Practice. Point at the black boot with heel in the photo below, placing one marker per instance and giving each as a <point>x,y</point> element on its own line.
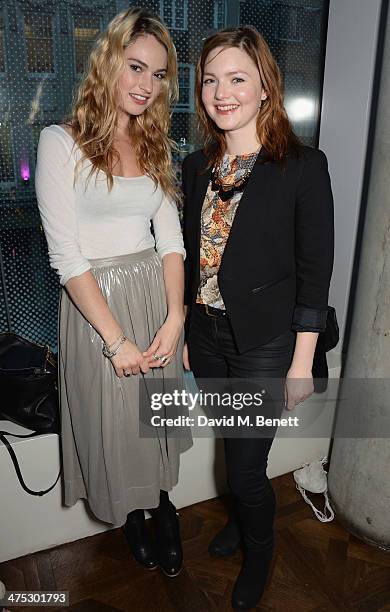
<point>139,539</point>
<point>227,541</point>
<point>256,524</point>
<point>170,552</point>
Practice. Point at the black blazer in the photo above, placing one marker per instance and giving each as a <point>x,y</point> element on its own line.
<point>277,264</point>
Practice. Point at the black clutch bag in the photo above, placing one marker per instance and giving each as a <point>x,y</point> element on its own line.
<point>28,391</point>
<point>327,340</point>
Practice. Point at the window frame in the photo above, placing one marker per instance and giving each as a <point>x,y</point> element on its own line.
<point>173,26</point>
<point>3,73</point>
<point>217,3</point>
<point>78,75</point>
<point>7,185</point>
<point>21,21</point>
<point>190,108</point>
<point>300,12</point>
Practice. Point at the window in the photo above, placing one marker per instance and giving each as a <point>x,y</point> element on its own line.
<point>219,14</point>
<point>38,34</point>
<point>35,131</point>
<point>289,23</point>
<point>85,32</point>
<point>2,42</point>
<point>174,13</point>
<point>44,45</point>
<point>186,88</point>
<point>294,83</point>
<point>7,173</point>
<point>300,104</point>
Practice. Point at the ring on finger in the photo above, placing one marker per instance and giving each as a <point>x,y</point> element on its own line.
<point>156,357</point>
<point>126,373</point>
<point>163,359</point>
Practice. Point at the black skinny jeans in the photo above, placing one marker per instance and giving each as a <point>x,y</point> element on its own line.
<point>213,354</point>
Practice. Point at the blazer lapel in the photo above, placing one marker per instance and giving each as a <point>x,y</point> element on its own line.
<point>196,198</point>
<point>251,194</point>
<point>200,189</point>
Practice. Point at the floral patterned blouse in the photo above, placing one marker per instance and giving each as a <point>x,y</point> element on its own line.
<point>216,221</point>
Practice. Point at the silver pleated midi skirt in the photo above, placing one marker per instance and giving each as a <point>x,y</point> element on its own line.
<point>105,460</point>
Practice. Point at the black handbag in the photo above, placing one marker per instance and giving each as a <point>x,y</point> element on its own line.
<point>327,340</point>
<point>28,392</point>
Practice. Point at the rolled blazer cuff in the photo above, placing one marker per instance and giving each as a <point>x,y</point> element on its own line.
<point>309,319</point>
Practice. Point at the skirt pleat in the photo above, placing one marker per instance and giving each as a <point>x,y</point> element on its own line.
<point>105,460</point>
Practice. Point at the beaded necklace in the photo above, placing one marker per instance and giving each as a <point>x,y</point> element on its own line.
<point>227,190</point>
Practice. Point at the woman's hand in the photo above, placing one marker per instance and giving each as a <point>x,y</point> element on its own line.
<point>298,387</point>
<point>129,360</point>
<point>186,361</point>
<point>165,342</point>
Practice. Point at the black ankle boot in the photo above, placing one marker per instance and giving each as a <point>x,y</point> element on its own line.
<point>227,540</point>
<point>139,540</point>
<point>256,523</point>
<point>170,552</point>
<point>251,581</point>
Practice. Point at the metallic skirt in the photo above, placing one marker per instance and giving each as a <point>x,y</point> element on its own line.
<point>105,459</point>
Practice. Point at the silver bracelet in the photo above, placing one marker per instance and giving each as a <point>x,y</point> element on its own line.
<point>115,341</point>
<point>111,352</point>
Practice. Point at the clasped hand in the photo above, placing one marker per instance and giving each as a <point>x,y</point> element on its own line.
<point>131,360</point>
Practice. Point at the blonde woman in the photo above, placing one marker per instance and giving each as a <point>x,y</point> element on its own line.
<point>101,179</point>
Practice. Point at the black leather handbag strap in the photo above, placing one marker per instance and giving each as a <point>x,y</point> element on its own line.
<point>15,461</point>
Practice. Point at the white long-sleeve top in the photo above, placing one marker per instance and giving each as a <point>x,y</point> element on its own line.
<point>83,220</point>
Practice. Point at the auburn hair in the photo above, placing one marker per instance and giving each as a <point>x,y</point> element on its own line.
<point>274,130</point>
<point>95,110</point>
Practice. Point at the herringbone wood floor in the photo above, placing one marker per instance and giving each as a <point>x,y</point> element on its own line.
<point>317,567</point>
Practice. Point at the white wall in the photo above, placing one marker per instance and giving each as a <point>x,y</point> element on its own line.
<point>348,81</point>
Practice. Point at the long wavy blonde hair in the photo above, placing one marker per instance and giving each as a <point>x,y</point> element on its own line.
<point>274,130</point>
<point>93,117</point>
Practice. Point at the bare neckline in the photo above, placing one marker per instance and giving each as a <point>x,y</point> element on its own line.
<point>114,175</point>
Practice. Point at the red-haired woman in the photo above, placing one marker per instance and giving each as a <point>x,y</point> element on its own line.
<point>258,232</point>
<point>101,179</point>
